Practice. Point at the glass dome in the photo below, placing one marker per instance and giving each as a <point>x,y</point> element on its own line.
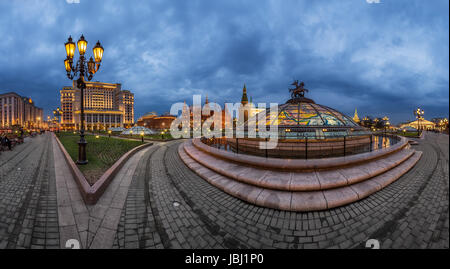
<point>137,130</point>
<point>302,117</point>
<point>306,114</point>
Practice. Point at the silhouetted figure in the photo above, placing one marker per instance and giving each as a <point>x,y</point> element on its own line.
<point>6,142</point>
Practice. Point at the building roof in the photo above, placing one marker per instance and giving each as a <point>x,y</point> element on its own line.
<point>11,93</point>
<point>150,114</point>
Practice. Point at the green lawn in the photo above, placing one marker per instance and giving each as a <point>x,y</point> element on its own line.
<point>407,134</point>
<point>154,136</point>
<point>101,152</point>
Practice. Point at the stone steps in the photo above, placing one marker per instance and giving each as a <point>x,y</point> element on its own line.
<point>300,164</point>
<point>317,179</point>
<point>301,200</point>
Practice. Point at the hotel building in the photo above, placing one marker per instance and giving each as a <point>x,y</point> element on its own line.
<point>106,105</point>
<point>16,110</point>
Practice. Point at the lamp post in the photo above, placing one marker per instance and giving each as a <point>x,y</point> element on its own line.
<point>57,113</point>
<point>85,69</point>
<point>386,127</point>
<point>419,115</point>
<point>142,137</point>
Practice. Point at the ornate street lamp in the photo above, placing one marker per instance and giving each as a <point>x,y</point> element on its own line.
<point>419,115</point>
<point>85,69</point>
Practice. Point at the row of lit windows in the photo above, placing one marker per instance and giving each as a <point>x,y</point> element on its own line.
<point>102,118</point>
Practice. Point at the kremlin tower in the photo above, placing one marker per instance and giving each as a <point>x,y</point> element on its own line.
<point>355,117</point>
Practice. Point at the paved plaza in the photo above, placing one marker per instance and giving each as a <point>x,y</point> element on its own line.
<point>155,201</point>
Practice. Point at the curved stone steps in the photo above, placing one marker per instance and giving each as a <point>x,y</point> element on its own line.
<point>300,164</point>
<point>299,200</point>
<point>297,181</point>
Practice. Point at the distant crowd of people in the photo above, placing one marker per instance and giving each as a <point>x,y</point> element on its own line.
<point>8,140</point>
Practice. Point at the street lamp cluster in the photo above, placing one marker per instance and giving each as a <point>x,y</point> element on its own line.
<point>84,70</point>
<point>443,124</point>
<point>419,116</point>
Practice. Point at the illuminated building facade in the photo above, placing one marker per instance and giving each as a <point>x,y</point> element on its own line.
<point>67,106</point>
<point>16,110</point>
<point>421,124</point>
<point>106,105</point>
<point>126,101</point>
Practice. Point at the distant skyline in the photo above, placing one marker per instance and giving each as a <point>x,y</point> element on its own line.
<point>383,59</point>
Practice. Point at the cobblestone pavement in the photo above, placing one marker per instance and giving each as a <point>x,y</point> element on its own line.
<point>168,206</point>
<point>28,206</point>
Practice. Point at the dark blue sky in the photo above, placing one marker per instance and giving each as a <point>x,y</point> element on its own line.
<point>384,59</point>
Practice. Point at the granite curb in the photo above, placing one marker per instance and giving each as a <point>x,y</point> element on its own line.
<point>91,194</point>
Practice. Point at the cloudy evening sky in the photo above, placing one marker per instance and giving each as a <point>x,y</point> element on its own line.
<point>384,59</point>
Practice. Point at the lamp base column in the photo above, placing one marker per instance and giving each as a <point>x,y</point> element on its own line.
<point>82,152</point>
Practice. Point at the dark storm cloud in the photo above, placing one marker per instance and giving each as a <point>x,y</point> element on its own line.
<point>384,59</point>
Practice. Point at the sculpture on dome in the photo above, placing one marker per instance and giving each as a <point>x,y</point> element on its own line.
<point>299,90</point>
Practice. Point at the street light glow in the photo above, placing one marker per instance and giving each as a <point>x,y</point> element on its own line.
<point>82,44</point>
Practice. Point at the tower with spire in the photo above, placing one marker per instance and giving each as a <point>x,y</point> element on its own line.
<point>207,107</point>
<point>244,99</point>
<point>355,117</point>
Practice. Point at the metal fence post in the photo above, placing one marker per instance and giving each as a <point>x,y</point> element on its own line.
<point>344,143</point>
<point>266,148</point>
<point>371,143</point>
<point>306,147</point>
<point>237,145</point>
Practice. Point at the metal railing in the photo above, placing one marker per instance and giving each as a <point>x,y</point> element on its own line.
<point>307,147</point>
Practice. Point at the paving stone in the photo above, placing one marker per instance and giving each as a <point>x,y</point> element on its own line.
<point>207,217</point>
